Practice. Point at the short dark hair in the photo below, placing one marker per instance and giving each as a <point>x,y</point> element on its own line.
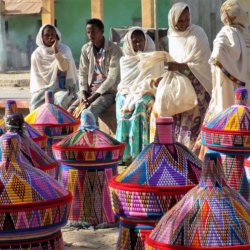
<point>97,22</point>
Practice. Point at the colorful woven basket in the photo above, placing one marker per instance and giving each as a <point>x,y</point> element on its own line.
<point>210,216</point>
<point>156,180</point>
<point>52,121</point>
<point>33,206</point>
<point>30,152</point>
<point>247,169</point>
<point>230,130</point>
<point>89,159</point>
<point>229,134</point>
<point>11,108</point>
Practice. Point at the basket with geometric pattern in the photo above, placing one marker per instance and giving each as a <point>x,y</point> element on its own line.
<point>229,134</point>
<point>156,180</point>
<point>35,135</point>
<point>33,206</point>
<point>52,121</point>
<point>30,152</point>
<point>89,159</point>
<point>210,216</point>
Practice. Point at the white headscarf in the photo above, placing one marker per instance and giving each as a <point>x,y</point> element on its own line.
<point>44,66</point>
<point>232,8</point>
<point>190,46</point>
<point>128,47</point>
<point>232,44</point>
<point>135,79</point>
<point>129,62</point>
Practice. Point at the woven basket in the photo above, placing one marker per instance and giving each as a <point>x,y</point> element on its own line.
<point>230,130</point>
<point>89,159</point>
<point>37,137</point>
<point>229,134</point>
<point>210,216</point>
<point>52,121</point>
<point>156,180</point>
<point>33,206</point>
<point>30,152</point>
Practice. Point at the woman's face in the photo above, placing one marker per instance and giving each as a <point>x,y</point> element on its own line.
<point>184,20</point>
<point>138,42</point>
<point>49,36</point>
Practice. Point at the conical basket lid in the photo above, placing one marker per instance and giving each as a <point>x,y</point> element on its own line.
<point>160,175</point>
<point>163,164</point>
<point>52,116</point>
<point>30,152</point>
<point>37,186</point>
<point>210,215</point>
<point>35,135</point>
<point>87,138</point>
<point>230,129</point>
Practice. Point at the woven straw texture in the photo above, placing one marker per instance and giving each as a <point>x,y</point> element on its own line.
<point>33,155</point>
<point>37,137</point>
<point>155,181</point>
<point>229,130</point>
<point>32,204</point>
<point>91,199</point>
<point>133,233</point>
<point>52,121</point>
<point>89,160</point>
<point>210,215</point>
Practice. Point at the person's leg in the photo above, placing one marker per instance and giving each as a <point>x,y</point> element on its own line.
<point>101,104</point>
<point>37,99</point>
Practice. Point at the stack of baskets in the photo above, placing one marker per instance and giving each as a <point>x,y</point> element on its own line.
<point>210,216</point>
<point>33,206</point>
<point>89,159</point>
<point>157,179</point>
<point>229,134</point>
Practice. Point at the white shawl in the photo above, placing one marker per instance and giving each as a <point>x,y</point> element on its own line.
<point>44,65</point>
<point>232,44</point>
<point>135,79</point>
<point>190,47</point>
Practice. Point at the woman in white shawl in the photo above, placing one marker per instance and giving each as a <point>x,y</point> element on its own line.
<point>135,95</point>
<point>230,61</point>
<point>189,47</point>
<point>230,58</point>
<point>52,67</point>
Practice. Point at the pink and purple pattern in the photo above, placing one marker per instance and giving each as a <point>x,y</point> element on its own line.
<point>211,216</point>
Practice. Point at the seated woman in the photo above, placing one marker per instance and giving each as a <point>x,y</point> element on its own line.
<point>189,47</point>
<point>230,61</point>
<point>52,67</point>
<point>135,94</point>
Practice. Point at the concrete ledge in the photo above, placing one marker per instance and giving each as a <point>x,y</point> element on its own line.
<point>22,103</point>
<point>107,121</point>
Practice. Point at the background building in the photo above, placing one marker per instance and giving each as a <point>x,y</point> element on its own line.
<point>70,16</point>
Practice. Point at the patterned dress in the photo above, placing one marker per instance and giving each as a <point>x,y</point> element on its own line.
<point>188,124</point>
<point>133,127</point>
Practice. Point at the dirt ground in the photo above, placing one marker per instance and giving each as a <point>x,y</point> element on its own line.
<point>90,239</point>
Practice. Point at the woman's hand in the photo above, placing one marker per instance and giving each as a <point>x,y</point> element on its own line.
<point>175,66</point>
<point>55,46</point>
<point>155,82</point>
